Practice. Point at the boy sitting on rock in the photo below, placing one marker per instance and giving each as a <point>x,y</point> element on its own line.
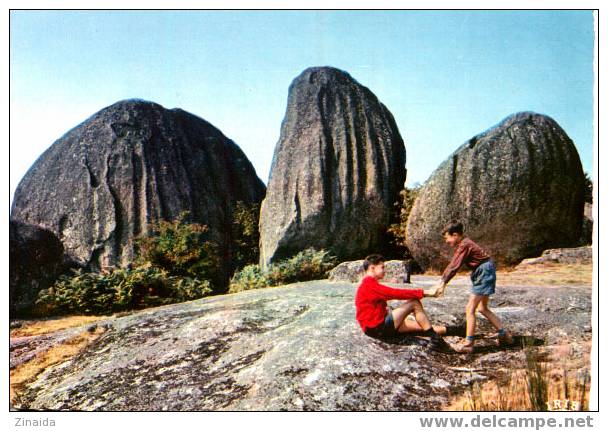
<point>378,321</point>
<point>483,276</point>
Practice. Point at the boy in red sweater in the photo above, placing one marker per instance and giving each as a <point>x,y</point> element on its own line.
<point>483,276</point>
<point>378,321</point>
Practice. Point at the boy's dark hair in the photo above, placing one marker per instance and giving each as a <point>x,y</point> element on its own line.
<point>453,227</point>
<point>372,259</point>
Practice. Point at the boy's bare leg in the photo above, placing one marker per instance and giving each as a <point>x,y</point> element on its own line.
<point>411,326</point>
<point>474,301</point>
<point>422,322</point>
<point>503,336</point>
<point>493,318</point>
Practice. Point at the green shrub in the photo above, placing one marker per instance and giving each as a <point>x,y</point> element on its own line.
<point>118,290</point>
<point>250,277</point>
<point>176,263</point>
<point>306,265</point>
<point>180,248</point>
<point>245,234</point>
<point>588,193</point>
<point>398,230</point>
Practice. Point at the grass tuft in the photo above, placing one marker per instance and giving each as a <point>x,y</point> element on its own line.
<point>540,386</point>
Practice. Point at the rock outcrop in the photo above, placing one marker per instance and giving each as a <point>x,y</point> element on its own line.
<point>337,170</point>
<point>296,347</point>
<point>518,189</point>
<point>570,256</point>
<point>353,271</point>
<point>100,185</point>
<point>36,259</point>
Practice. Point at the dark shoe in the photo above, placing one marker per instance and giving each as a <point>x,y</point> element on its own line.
<point>505,340</point>
<point>438,344</point>
<point>459,329</point>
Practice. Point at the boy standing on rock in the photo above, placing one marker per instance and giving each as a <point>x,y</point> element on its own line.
<point>483,276</point>
<point>378,321</point>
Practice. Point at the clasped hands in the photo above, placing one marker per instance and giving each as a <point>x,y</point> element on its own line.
<point>435,291</point>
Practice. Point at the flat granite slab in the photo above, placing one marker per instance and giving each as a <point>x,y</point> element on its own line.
<point>296,347</point>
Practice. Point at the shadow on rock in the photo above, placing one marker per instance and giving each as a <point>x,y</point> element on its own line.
<point>520,342</point>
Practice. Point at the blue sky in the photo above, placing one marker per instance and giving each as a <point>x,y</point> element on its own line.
<point>445,75</point>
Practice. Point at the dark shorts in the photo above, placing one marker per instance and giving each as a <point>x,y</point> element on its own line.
<point>484,279</point>
<point>385,329</point>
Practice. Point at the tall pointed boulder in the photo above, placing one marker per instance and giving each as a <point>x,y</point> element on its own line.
<point>337,170</point>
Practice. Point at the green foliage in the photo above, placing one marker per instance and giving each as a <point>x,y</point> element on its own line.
<point>118,290</point>
<point>588,194</point>
<point>307,265</point>
<point>246,234</point>
<point>180,248</point>
<point>176,263</point>
<point>407,198</point>
<point>250,277</point>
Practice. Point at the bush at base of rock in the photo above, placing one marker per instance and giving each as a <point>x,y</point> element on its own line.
<point>181,248</point>
<point>246,234</point>
<point>398,230</point>
<point>118,290</point>
<point>307,265</point>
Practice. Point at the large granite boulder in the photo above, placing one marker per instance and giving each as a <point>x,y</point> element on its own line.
<point>337,170</point>
<point>518,189</point>
<point>296,347</point>
<point>101,184</point>
<point>36,259</point>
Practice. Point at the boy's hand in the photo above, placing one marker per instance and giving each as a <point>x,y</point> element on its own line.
<point>440,288</point>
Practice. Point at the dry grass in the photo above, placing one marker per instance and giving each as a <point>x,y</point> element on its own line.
<point>39,327</point>
<point>514,395</point>
<point>551,385</point>
<point>21,375</point>
<point>547,275</point>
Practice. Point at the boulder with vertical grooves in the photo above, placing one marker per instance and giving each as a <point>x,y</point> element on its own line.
<point>518,189</point>
<point>101,185</point>
<point>337,170</point>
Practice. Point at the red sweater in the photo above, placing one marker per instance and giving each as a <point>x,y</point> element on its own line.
<point>371,301</point>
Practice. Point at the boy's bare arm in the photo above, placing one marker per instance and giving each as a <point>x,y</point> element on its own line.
<point>433,292</point>
<point>440,288</point>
